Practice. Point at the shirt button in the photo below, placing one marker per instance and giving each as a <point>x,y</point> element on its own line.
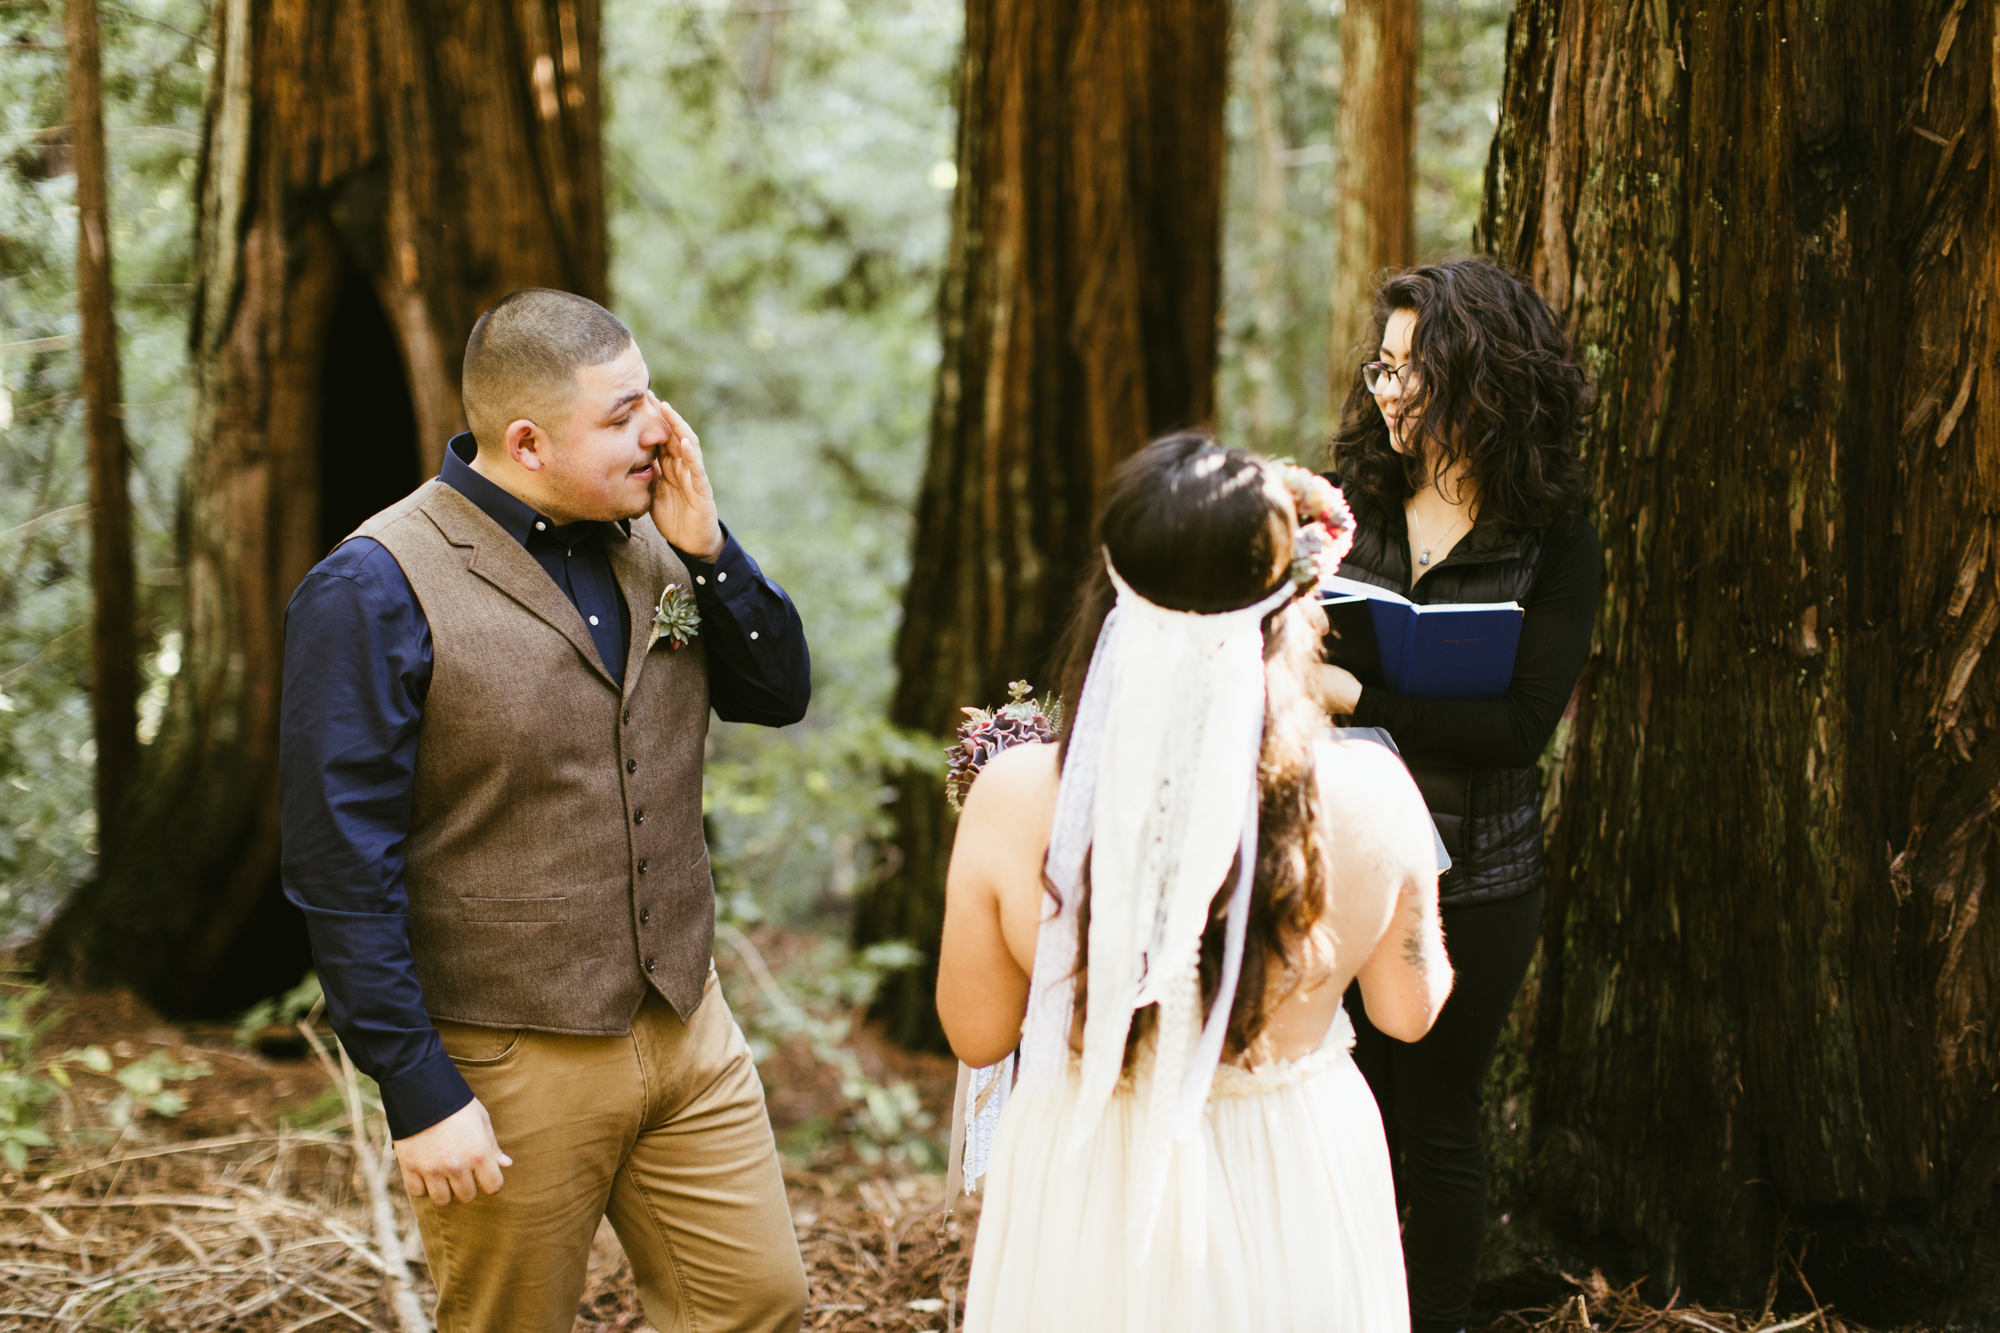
<point>649,964</point>
<point>593,620</point>
<point>753,633</point>
<point>723,577</point>
<point>639,817</point>
<point>631,765</point>
<point>541,526</point>
<point>642,865</point>
<point>699,579</point>
<point>645,915</point>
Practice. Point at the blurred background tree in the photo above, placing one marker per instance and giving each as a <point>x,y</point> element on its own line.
<point>1079,313</point>
<point>361,200</point>
<point>1078,320</point>
<point>114,653</point>
<point>1288,176</point>
<point>156,61</point>
<point>1374,215</point>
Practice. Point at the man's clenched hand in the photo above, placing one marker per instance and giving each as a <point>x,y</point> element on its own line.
<point>454,1159</point>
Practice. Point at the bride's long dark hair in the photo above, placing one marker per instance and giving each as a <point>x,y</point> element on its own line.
<point>1197,527</point>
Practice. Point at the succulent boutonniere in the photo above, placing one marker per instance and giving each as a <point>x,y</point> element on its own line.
<point>675,618</point>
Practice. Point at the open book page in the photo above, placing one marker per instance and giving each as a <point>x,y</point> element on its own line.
<point>1443,650</point>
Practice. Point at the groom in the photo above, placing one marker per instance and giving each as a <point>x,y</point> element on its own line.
<point>495,701</point>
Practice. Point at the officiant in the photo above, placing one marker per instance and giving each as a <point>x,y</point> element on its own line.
<point>1458,451</point>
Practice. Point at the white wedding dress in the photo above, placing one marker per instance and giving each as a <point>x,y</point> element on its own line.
<point>1279,1215</point>
<point>1183,1194</point>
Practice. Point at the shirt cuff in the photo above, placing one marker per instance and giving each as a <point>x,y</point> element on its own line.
<point>731,569</point>
<point>419,1098</point>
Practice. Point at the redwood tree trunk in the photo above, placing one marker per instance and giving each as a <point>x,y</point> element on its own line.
<point>1766,1009</point>
<point>114,679</point>
<point>1374,193</point>
<point>373,176</point>
<point>1079,315</point>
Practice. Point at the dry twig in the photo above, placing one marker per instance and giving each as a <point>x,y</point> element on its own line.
<point>410,1316</point>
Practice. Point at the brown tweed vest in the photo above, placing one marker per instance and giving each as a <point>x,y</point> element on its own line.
<point>555,860</point>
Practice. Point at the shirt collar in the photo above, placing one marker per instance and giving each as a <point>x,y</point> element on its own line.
<point>516,517</point>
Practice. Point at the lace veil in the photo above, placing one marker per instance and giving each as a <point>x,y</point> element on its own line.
<point>1159,792</point>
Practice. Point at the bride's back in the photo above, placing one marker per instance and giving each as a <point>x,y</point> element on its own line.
<point>1376,841</point>
<point>1376,838</point>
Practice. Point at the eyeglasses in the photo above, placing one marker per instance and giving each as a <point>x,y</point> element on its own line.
<point>1376,373</point>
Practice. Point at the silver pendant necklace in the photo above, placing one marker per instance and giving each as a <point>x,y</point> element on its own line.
<point>1424,548</point>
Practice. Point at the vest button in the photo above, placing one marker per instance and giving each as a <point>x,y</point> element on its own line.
<point>642,865</point>
<point>645,915</point>
<point>639,817</point>
<point>628,717</point>
<point>649,964</point>
<point>631,765</point>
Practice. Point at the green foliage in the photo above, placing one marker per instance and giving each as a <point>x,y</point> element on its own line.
<point>25,1088</point>
<point>779,184</point>
<point>287,1009</point>
<point>142,1083</point>
<point>155,73</point>
<point>29,1081</point>
<point>816,1003</point>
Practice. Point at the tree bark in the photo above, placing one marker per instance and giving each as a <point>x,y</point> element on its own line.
<point>1765,1010</point>
<point>1375,145</point>
<point>373,176</point>
<point>114,681</point>
<point>1267,219</point>
<point>1079,320</point>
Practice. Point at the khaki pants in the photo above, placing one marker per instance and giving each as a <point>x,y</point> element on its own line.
<point>664,1132</point>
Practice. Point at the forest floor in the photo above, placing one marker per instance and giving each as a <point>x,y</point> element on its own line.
<point>252,1208</point>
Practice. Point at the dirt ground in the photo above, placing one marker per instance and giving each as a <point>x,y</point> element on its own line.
<point>251,1209</point>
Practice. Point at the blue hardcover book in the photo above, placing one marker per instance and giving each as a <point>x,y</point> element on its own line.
<point>1462,650</point>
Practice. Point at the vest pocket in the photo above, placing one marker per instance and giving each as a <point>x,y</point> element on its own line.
<point>514,909</point>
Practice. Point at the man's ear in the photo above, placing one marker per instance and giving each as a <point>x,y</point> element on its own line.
<point>526,444</point>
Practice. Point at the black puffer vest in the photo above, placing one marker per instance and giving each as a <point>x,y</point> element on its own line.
<point>1490,818</point>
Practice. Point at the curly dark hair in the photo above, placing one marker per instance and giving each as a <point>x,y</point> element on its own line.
<point>1197,527</point>
<point>1496,386</point>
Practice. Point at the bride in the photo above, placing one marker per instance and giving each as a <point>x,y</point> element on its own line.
<point>1162,911</point>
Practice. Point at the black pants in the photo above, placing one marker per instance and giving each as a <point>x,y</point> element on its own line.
<point>1429,1092</point>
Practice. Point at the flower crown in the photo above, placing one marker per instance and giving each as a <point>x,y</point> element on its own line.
<point>1326,525</point>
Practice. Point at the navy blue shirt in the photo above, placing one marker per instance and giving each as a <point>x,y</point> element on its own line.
<point>357,668</point>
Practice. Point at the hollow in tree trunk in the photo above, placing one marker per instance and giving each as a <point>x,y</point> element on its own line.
<point>1765,1016</point>
<point>1079,315</point>
<point>374,174</point>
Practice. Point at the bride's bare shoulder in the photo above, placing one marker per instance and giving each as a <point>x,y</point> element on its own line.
<point>1372,807</point>
<point>1020,775</point>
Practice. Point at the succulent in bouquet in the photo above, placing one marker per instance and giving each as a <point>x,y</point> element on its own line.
<point>986,732</point>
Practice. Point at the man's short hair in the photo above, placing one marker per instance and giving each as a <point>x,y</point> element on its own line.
<point>523,357</point>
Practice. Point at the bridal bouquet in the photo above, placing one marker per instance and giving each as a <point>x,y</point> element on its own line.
<point>985,733</point>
